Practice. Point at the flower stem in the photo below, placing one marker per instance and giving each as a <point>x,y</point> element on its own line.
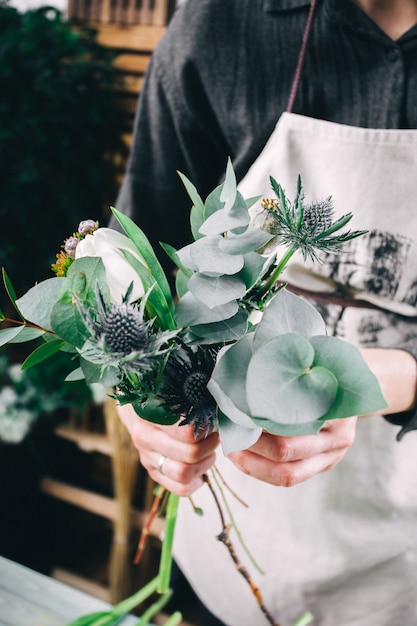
<point>137,598</point>
<point>154,609</point>
<point>279,268</point>
<point>165,565</point>
<point>304,620</point>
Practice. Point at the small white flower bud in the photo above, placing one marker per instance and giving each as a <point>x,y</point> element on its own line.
<point>86,227</point>
<point>70,245</point>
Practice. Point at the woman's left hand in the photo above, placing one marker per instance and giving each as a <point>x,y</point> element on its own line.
<point>286,461</point>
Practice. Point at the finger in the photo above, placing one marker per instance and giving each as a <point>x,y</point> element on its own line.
<point>335,435</point>
<point>287,474</point>
<point>180,478</point>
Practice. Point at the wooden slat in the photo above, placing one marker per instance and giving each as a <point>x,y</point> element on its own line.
<point>136,37</point>
<point>160,12</point>
<point>121,12</point>
<point>86,440</point>
<point>83,584</point>
<point>95,503</point>
<point>132,63</point>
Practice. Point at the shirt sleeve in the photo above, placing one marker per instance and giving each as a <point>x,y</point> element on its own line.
<point>408,419</point>
<point>175,130</point>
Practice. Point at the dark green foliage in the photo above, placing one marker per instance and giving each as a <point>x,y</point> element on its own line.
<point>59,137</point>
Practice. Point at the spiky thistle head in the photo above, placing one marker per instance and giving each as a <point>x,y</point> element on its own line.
<point>310,228</point>
<point>121,338</point>
<point>122,329</point>
<point>184,386</point>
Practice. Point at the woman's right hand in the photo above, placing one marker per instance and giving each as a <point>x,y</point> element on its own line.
<point>186,458</point>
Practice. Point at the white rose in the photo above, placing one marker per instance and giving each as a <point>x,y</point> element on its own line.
<point>108,244</point>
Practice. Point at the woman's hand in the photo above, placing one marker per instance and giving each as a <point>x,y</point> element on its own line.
<point>286,461</point>
<point>186,458</point>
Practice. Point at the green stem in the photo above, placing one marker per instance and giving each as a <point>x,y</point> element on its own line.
<point>174,620</point>
<point>154,609</point>
<point>165,565</point>
<point>137,598</point>
<point>277,271</point>
<point>304,620</point>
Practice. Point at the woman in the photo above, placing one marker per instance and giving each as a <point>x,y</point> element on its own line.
<point>340,543</point>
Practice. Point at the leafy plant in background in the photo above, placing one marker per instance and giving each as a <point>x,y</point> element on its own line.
<point>27,396</point>
<point>60,144</point>
<point>234,350</point>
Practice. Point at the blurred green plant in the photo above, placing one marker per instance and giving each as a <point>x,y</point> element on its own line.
<point>27,396</point>
<point>60,146</point>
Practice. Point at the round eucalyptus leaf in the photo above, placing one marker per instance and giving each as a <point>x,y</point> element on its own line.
<point>288,313</point>
<point>36,304</point>
<point>228,380</point>
<point>289,430</point>
<point>231,329</point>
<point>358,391</point>
<point>209,258</point>
<point>234,437</point>
<point>284,385</point>
<point>216,290</point>
<point>191,311</point>
<point>249,241</point>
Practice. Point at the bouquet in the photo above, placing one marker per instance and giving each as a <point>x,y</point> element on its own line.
<point>231,350</point>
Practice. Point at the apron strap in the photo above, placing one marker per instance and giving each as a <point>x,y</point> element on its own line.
<point>301,56</point>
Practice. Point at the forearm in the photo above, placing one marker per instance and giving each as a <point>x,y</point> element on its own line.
<point>396,371</point>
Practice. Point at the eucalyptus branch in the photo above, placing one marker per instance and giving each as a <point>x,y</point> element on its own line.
<point>234,525</point>
<point>26,324</point>
<point>144,535</point>
<point>225,539</point>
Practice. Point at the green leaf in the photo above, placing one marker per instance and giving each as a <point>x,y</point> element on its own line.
<point>75,375</point>
<point>234,437</point>
<point>222,221</point>
<point>288,313</point>
<point>253,264</point>
<point>358,391</point>
<point>42,353</point>
<point>173,255</point>
<point>181,283</point>
<point>153,411</point>
<point>208,257</point>
<point>10,291</point>
<point>191,311</point>
<point>27,334</point>
<point>231,329</point>
<point>156,303</point>
<point>193,193</point>
<point>83,278</point>
<point>284,386</point>
<point>68,323</point>
<point>229,188</point>
<point>7,335</point>
<point>143,246</point>
<point>213,202</point>
<point>107,376</point>
<point>249,241</point>
<point>228,381</point>
<point>37,303</point>
<point>216,290</point>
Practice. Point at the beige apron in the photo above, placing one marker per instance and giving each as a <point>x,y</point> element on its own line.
<point>343,544</point>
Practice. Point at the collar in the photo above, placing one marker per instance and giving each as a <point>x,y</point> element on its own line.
<point>279,6</point>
